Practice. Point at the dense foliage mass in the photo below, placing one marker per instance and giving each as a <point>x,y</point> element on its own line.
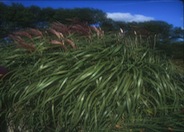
<point>107,84</point>
<point>71,76</point>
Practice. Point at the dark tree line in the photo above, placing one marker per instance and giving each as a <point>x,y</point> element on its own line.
<point>16,17</point>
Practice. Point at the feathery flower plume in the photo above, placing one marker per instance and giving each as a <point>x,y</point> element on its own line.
<point>35,32</point>
<point>56,33</point>
<point>21,43</point>
<point>56,42</point>
<point>71,43</point>
<point>23,34</point>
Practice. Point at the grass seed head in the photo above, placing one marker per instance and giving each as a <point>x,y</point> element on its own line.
<point>71,43</point>
<point>35,32</point>
<point>23,34</point>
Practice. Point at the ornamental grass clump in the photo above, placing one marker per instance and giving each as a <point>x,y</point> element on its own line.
<point>109,85</point>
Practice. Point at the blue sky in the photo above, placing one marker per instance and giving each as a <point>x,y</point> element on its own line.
<point>170,11</point>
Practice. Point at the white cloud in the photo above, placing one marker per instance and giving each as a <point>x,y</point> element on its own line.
<point>127,17</point>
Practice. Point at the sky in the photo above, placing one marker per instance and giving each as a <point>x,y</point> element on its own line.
<point>170,11</point>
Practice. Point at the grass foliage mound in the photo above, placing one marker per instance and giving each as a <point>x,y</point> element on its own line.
<point>108,84</point>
